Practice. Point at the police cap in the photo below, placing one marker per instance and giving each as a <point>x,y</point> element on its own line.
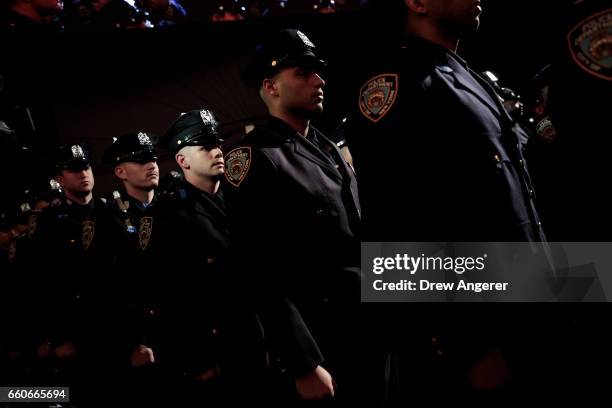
<point>194,128</point>
<point>288,48</point>
<point>132,147</point>
<point>71,157</point>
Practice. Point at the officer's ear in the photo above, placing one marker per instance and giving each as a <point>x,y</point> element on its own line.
<point>417,6</point>
<point>269,87</point>
<point>59,178</point>
<point>120,172</point>
<point>181,160</point>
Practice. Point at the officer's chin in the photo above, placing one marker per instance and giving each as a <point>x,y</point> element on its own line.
<point>317,109</point>
<point>151,185</point>
<point>83,192</point>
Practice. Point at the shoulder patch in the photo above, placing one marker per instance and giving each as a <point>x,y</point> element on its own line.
<point>237,165</point>
<point>377,96</point>
<point>590,44</point>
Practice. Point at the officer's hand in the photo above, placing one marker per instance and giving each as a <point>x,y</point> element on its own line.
<point>317,384</point>
<point>143,355</point>
<point>65,351</point>
<point>489,372</point>
<point>209,374</point>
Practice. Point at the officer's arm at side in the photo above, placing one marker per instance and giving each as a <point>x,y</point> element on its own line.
<point>254,210</point>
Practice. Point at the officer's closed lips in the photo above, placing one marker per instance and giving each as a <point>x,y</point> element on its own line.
<point>219,163</point>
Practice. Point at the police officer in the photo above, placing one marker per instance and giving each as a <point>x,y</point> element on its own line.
<point>580,88</point>
<point>73,264</point>
<point>136,214</point>
<point>454,155</point>
<point>202,312</point>
<point>451,138</point>
<point>135,164</point>
<point>295,219</point>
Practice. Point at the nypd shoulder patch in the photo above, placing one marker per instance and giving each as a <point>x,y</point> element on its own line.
<point>237,164</point>
<point>590,44</point>
<point>377,96</point>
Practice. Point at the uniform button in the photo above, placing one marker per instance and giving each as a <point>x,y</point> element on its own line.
<point>210,260</point>
<point>539,224</point>
<point>151,311</point>
<point>521,162</point>
<point>531,192</point>
<point>497,158</point>
<point>319,211</point>
<point>214,332</point>
<point>326,300</point>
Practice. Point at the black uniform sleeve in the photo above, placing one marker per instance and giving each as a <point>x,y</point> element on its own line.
<point>257,255</point>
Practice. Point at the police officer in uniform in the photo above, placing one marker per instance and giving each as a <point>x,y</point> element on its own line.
<point>73,265</point>
<point>453,147</point>
<point>136,214</point>
<point>207,333</point>
<point>135,164</point>
<point>462,175</point>
<point>295,218</point>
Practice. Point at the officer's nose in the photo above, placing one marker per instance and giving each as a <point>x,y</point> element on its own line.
<point>218,153</point>
<point>319,81</point>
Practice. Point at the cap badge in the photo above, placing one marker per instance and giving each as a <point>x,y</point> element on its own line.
<point>77,151</point>
<point>207,117</point>
<point>305,39</point>
<point>144,139</point>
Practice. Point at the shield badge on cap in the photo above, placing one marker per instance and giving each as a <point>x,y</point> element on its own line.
<point>144,139</point>
<point>145,229</point>
<point>237,164</point>
<point>305,39</point>
<point>377,96</point>
<point>88,231</point>
<point>590,44</point>
<point>207,117</point>
<point>77,151</point>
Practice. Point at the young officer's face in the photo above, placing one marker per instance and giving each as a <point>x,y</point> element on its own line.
<point>202,161</point>
<point>142,176</point>
<point>77,182</point>
<point>300,90</point>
